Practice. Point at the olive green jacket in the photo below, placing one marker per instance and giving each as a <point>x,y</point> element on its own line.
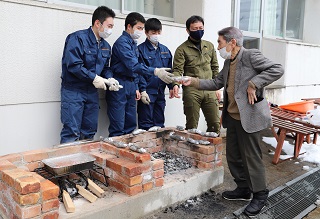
<point>190,61</point>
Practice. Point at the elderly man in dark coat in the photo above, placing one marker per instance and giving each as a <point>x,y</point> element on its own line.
<point>245,114</point>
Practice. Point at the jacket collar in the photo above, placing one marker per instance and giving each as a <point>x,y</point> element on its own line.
<point>149,44</point>
<point>242,49</point>
<point>92,37</point>
<point>189,43</point>
<point>124,33</point>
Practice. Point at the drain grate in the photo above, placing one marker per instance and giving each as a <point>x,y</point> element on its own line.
<point>291,201</point>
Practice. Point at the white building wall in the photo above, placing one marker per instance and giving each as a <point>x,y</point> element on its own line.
<point>33,34</point>
<point>302,70</point>
<point>311,31</point>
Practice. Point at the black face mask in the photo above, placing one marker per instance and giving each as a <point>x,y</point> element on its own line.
<point>197,35</point>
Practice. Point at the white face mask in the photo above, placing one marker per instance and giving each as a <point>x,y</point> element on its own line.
<point>224,54</point>
<point>154,38</point>
<point>136,34</point>
<point>106,33</point>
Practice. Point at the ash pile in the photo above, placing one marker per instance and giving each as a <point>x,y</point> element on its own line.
<point>172,162</point>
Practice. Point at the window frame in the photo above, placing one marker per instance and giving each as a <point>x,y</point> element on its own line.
<point>261,34</point>
<point>120,11</point>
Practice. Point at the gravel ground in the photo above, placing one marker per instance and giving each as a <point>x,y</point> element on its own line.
<point>211,205</point>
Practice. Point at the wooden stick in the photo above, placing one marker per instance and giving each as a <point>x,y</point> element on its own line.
<point>95,188</point>
<point>68,203</point>
<point>86,194</point>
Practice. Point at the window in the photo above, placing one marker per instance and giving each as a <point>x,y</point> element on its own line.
<point>250,15</point>
<point>162,8</point>
<point>284,18</point>
<point>278,18</point>
<point>114,4</point>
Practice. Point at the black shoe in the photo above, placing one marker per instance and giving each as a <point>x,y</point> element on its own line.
<point>243,194</point>
<point>257,203</point>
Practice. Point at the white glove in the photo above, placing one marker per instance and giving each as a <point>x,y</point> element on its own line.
<point>165,76</point>
<point>98,82</point>
<point>112,83</point>
<point>145,98</point>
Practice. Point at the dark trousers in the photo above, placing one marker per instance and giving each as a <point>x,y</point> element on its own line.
<point>244,156</point>
<point>79,114</point>
<point>122,110</point>
<point>152,114</point>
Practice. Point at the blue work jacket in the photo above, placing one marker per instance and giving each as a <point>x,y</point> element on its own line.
<point>124,59</point>
<point>83,58</point>
<point>158,58</point>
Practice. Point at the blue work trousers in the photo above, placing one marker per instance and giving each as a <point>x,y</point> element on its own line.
<point>152,114</point>
<point>122,108</point>
<point>79,114</point>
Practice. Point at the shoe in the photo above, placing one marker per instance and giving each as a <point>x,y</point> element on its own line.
<point>257,203</point>
<point>243,194</point>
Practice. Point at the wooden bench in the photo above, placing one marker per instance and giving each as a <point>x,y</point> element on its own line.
<point>285,127</point>
<point>296,118</point>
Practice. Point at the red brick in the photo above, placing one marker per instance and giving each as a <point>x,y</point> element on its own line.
<point>147,186</point>
<point>157,164</point>
<point>37,176</point>
<point>101,157</point>
<point>219,148</point>
<point>98,177</point>
<point>204,165</point>
<point>34,165</point>
<point>131,169</point>
<point>158,173</point>
<point>215,141</point>
<point>51,215</point>
<point>49,190</point>
<point>114,164</point>
<point>11,157</point>
<point>154,150</point>
<point>50,205</point>
<point>28,211</point>
<point>133,190</point>
<point>109,148</point>
<point>90,147</point>
<point>4,210</point>
<point>129,181</point>
<point>142,158</point>
<point>125,166</point>
<point>197,148</point>
<point>29,199</point>
<point>147,144</point>
<point>126,153</point>
<point>35,155</point>
<point>146,167</point>
<point>64,151</point>
<point>9,176</point>
<point>159,182</point>
<point>26,185</point>
<point>6,165</point>
<point>3,187</point>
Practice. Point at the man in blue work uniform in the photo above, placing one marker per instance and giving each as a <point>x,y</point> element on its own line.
<point>126,67</point>
<point>85,68</point>
<point>152,53</point>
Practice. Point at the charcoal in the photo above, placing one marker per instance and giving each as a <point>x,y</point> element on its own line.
<point>172,163</point>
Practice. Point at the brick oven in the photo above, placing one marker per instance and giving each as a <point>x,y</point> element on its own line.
<point>26,194</point>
